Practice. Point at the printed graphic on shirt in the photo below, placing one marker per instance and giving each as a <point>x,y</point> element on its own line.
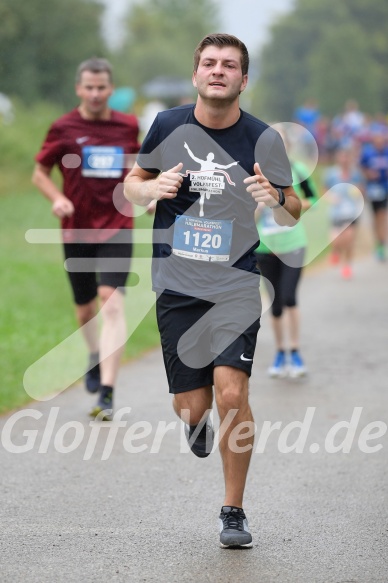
<point>210,179</point>
<point>102,161</point>
<point>82,139</point>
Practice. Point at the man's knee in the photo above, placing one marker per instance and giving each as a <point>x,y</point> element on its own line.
<point>232,397</point>
<point>85,312</point>
<point>112,302</point>
<point>193,406</point>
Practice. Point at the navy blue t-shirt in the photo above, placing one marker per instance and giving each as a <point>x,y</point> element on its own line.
<point>376,159</point>
<point>208,230</point>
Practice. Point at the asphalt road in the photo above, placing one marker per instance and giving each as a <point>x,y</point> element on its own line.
<point>127,504</point>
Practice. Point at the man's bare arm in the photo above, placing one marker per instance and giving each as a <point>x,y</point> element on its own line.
<point>289,214</point>
<point>61,205</point>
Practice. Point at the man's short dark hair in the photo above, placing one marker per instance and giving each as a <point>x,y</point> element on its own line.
<point>222,40</point>
<point>94,65</point>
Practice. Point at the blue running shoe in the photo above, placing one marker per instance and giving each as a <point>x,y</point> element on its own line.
<point>297,367</point>
<point>278,369</point>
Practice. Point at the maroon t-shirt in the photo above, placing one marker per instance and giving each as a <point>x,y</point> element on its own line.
<point>92,157</point>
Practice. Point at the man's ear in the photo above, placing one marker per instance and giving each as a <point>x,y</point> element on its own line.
<point>194,78</point>
<point>244,83</point>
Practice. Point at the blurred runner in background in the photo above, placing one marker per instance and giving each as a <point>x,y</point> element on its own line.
<point>345,182</point>
<point>280,258</point>
<point>89,145</point>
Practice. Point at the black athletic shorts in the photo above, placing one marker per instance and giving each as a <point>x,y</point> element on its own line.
<point>89,265</point>
<point>198,335</point>
<point>378,205</point>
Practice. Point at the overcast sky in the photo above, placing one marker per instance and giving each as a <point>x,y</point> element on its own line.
<point>247,19</point>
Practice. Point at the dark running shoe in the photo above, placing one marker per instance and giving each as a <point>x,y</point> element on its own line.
<point>234,528</point>
<point>200,439</point>
<point>92,376</point>
<point>104,407</point>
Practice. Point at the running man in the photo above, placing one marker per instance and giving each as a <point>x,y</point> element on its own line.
<point>374,165</point>
<point>204,267</point>
<point>89,145</point>
<point>345,182</point>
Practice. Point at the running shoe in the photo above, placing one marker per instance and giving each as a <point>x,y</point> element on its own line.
<point>234,530</point>
<point>104,407</point>
<point>200,440</point>
<point>297,367</point>
<point>92,376</point>
<point>278,369</point>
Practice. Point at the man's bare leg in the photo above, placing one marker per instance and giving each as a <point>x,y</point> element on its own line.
<point>112,342</point>
<point>113,333</point>
<point>231,391</point>
<point>87,321</point>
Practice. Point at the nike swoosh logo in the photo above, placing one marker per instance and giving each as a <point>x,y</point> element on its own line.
<point>82,140</point>
<point>242,357</point>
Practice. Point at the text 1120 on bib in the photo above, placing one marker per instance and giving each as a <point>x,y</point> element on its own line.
<point>202,239</point>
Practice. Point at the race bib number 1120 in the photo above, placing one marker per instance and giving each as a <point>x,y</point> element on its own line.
<point>202,239</point>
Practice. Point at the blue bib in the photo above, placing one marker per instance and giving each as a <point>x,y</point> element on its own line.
<point>102,161</point>
<point>202,239</point>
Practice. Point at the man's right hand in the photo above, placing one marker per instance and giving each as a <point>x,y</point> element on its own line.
<point>169,182</point>
<point>62,207</point>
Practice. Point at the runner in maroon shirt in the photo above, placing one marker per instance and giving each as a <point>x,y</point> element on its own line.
<point>91,146</point>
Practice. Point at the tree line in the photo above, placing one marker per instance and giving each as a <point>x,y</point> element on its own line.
<point>42,43</point>
<point>326,50</point>
<point>329,51</point>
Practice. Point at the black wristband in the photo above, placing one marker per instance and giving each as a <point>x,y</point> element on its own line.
<point>282,199</point>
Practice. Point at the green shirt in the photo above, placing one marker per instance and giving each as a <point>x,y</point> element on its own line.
<point>277,239</point>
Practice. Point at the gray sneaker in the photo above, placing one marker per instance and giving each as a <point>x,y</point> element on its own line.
<point>234,530</point>
<point>92,376</point>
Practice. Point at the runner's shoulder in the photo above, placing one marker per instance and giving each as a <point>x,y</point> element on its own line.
<point>65,122</point>
<point>254,121</point>
<point>128,119</point>
<point>178,114</point>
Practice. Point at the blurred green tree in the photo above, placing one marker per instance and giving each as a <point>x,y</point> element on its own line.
<point>349,70</point>
<point>161,38</point>
<point>329,51</point>
<point>41,45</point>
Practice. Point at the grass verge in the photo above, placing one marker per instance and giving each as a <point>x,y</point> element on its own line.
<point>36,314</point>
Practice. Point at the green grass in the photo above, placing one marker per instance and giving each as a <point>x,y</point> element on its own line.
<point>36,313</point>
